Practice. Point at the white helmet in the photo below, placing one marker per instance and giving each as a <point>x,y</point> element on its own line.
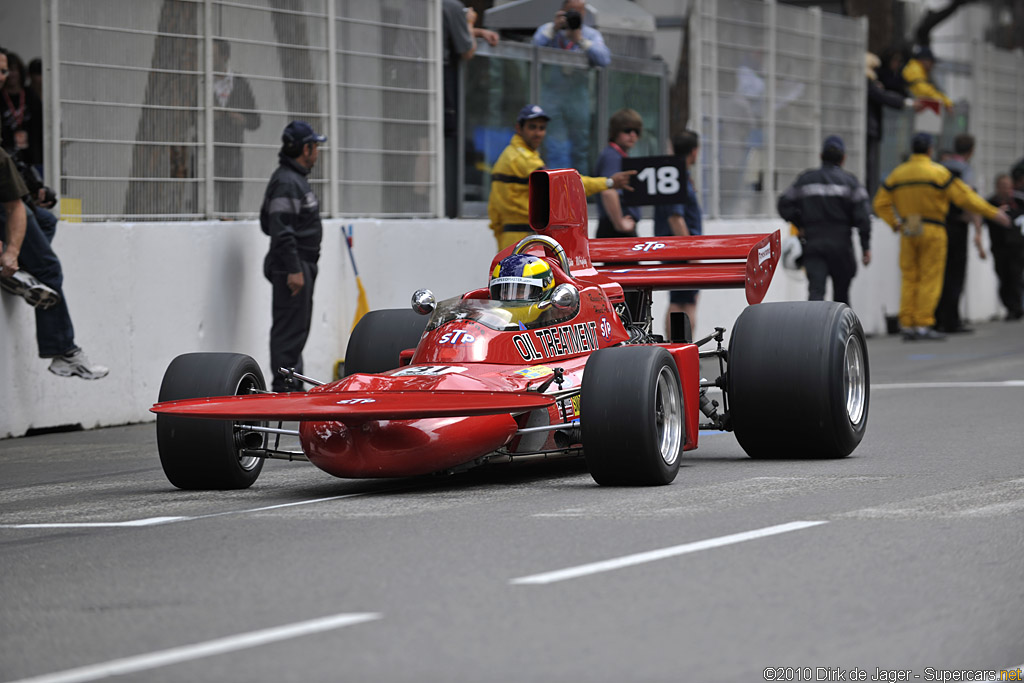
<point>792,250</point>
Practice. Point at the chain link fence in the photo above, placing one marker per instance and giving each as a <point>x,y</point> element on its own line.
<point>174,109</point>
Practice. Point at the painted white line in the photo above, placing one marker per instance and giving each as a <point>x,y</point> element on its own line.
<point>661,554</point>
<point>951,385</point>
<point>153,521</point>
<point>154,660</point>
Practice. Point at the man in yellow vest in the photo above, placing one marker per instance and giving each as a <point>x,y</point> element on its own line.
<point>917,74</point>
<point>914,200</point>
<point>509,204</point>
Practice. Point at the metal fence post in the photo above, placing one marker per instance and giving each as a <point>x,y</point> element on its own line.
<point>816,83</point>
<point>768,173</point>
<point>716,170</point>
<point>334,164</point>
<point>51,65</point>
<point>207,86</point>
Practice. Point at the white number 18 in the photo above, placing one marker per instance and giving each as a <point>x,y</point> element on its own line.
<point>661,180</point>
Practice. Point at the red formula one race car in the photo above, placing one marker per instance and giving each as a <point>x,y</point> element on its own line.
<point>555,357</point>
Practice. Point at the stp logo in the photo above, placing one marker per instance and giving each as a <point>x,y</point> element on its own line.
<point>606,328</point>
<point>648,246</point>
<point>355,401</point>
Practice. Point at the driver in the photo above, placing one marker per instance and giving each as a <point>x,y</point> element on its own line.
<point>522,282</point>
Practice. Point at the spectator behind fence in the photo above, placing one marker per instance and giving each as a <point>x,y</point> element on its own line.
<point>681,220</point>
<point>234,115</point>
<point>509,204</point>
<point>1008,244</point>
<point>460,34</point>
<point>35,77</point>
<point>565,91</point>
<point>291,216</point>
<point>918,76</point>
<point>886,88</point>
<point>947,312</point>
<point>615,220</point>
<point>824,204</point>
<point>23,245</point>
<point>914,200</point>
<point>21,114</point>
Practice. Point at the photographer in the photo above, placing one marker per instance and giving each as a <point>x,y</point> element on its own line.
<point>568,32</point>
<point>566,92</point>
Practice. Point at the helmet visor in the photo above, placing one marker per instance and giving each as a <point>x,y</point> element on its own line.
<point>512,288</point>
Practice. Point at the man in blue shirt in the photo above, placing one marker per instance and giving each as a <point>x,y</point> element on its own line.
<point>615,220</point>
<point>679,220</point>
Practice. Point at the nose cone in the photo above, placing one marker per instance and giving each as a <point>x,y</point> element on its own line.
<point>403,448</point>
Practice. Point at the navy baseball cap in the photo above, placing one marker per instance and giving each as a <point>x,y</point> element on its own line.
<point>923,53</point>
<point>921,140</point>
<point>531,111</point>
<point>299,133</point>
<point>835,142</point>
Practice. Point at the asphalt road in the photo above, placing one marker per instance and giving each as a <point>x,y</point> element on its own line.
<point>906,556</point>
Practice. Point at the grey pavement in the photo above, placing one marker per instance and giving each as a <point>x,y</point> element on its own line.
<point>915,563</point>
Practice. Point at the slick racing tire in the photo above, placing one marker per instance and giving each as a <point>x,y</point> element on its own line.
<point>798,381</point>
<point>203,454</point>
<point>631,412</point>
<point>380,337</point>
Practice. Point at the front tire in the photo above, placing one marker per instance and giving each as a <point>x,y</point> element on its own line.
<point>202,454</point>
<point>379,338</point>
<point>631,407</point>
<point>798,380</point>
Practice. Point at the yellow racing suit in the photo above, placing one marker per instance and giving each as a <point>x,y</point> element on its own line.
<point>914,200</point>
<point>509,203</point>
<point>920,86</point>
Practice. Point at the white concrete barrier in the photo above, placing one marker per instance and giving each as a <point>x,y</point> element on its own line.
<point>140,294</point>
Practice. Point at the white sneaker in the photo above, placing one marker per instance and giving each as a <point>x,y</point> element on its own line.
<point>26,285</point>
<point>75,364</point>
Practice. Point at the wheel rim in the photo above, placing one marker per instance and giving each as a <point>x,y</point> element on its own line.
<point>668,416</point>
<point>854,380</point>
<point>247,384</point>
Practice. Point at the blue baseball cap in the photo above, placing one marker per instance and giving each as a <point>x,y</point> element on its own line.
<point>921,141</point>
<point>923,53</point>
<point>531,111</point>
<point>299,133</point>
<point>835,142</point>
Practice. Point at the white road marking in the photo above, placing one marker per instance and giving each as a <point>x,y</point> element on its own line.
<point>984,500</point>
<point>154,660</point>
<point>152,521</point>
<point>661,554</point>
<point>951,385</point>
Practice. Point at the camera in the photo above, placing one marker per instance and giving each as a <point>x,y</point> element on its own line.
<point>573,19</point>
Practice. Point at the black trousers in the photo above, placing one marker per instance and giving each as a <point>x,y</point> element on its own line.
<point>947,311</point>
<point>1008,259</point>
<point>292,316</point>
<point>823,259</point>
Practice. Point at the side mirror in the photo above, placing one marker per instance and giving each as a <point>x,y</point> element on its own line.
<point>564,297</point>
<point>423,301</point>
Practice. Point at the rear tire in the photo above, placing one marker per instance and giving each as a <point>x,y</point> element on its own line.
<point>203,454</point>
<point>798,380</point>
<point>379,338</point>
<point>631,407</point>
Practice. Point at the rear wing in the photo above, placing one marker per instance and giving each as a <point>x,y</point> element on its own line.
<point>697,262</point>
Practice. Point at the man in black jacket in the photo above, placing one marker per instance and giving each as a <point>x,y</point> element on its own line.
<point>291,216</point>
<point>824,204</point>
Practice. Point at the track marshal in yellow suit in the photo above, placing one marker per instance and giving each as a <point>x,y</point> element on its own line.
<point>914,200</point>
<point>509,204</point>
